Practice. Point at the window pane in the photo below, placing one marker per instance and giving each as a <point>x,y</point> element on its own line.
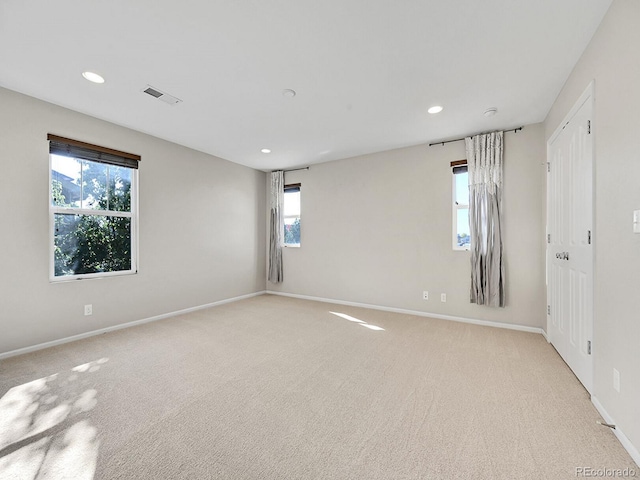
<point>65,181</point>
<point>91,244</point>
<point>94,185</point>
<point>462,188</point>
<point>292,204</point>
<point>292,231</point>
<point>119,189</point>
<point>463,230</point>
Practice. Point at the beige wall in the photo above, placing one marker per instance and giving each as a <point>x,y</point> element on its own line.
<point>612,59</point>
<point>376,229</point>
<point>201,229</point>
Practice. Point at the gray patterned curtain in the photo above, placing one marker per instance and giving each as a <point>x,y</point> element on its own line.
<point>484,161</point>
<point>276,227</point>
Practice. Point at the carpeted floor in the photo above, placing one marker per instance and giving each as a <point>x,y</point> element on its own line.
<point>278,388</point>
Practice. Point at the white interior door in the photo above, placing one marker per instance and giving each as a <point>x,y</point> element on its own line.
<point>570,240</point>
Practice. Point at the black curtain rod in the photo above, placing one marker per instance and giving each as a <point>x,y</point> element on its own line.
<point>292,170</point>
<point>515,130</point>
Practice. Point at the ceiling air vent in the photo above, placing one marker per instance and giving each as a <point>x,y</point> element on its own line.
<point>162,96</point>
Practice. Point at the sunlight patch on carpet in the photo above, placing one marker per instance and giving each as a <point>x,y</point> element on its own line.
<point>39,434</point>
<point>357,320</point>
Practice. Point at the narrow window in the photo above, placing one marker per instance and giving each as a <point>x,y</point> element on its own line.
<point>292,215</point>
<point>92,210</point>
<point>460,220</point>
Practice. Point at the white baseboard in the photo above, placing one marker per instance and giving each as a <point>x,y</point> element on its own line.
<point>474,321</point>
<point>544,334</point>
<point>92,333</point>
<point>624,440</point>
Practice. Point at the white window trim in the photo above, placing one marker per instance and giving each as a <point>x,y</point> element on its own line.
<point>133,214</point>
<point>454,216</point>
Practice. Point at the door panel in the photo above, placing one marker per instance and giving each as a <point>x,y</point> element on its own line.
<point>569,248</point>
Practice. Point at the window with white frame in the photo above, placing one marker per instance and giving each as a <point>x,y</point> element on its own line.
<point>460,220</point>
<point>292,215</point>
<point>92,210</point>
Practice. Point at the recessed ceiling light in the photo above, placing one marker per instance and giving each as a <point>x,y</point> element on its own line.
<point>93,77</point>
<point>287,92</point>
<point>490,112</point>
<point>435,109</point>
<point>265,150</point>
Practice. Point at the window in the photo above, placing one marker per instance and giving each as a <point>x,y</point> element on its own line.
<point>93,210</point>
<point>461,230</point>
<point>292,215</point>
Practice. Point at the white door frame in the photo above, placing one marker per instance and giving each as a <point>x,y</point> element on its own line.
<point>587,95</point>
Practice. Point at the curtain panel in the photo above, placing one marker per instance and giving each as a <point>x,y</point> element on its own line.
<point>484,161</point>
<point>276,227</point>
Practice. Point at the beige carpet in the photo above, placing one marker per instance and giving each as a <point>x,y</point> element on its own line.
<point>278,388</point>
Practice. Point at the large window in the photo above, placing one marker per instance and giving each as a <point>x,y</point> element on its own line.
<point>93,198</point>
<point>292,215</point>
<point>460,221</point>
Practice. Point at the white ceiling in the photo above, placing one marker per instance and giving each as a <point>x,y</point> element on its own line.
<point>365,71</point>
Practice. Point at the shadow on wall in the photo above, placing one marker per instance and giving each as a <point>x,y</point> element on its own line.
<point>45,428</point>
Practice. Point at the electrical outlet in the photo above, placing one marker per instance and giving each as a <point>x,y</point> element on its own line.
<point>88,309</point>
<point>443,297</point>
<point>616,380</point>
<point>425,295</point>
